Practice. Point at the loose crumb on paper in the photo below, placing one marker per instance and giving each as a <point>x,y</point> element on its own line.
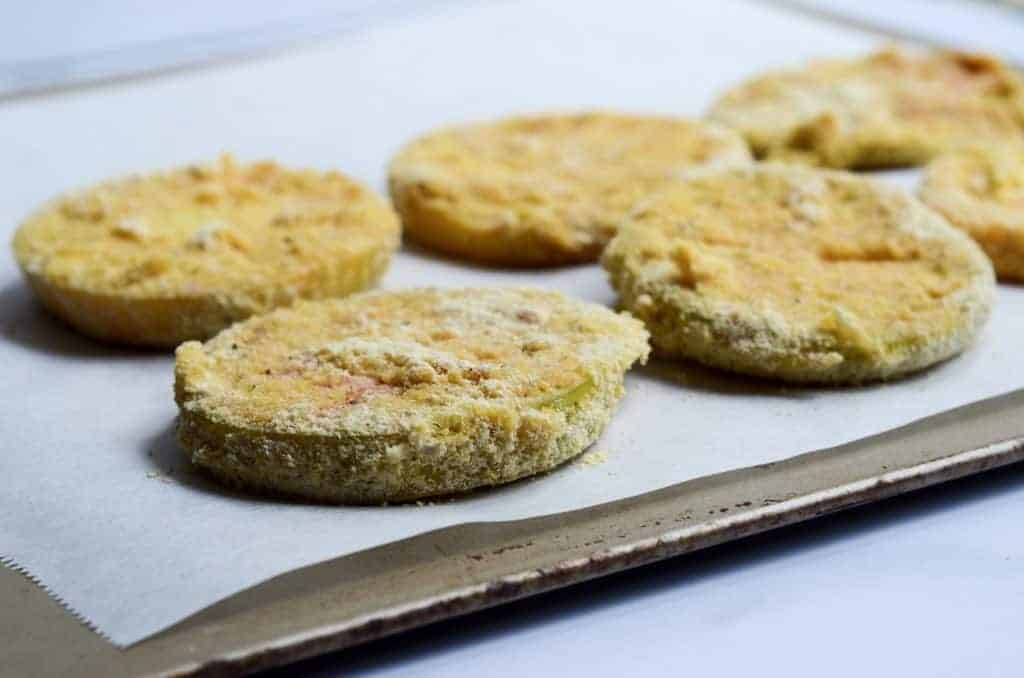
<point>594,458</point>
<point>160,475</point>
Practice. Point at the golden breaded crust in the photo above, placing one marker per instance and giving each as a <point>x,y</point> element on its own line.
<point>981,190</point>
<point>156,260</point>
<point>888,109</point>
<point>799,274</point>
<point>393,396</point>
<point>545,190</point>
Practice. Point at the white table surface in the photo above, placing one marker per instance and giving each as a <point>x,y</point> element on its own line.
<point>931,584</point>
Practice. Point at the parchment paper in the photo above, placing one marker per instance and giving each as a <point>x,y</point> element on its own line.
<point>95,502</point>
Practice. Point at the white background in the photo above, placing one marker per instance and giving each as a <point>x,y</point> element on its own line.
<point>927,585</point>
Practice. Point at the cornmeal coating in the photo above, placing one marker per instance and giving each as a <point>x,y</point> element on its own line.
<point>981,190</point>
<point>394,396</point>
<point>546,190</point>
<point>156,260</point>
<point>799,274</point>
<point>891,108</point>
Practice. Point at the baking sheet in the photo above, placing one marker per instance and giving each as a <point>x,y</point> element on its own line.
<point>96,502</point>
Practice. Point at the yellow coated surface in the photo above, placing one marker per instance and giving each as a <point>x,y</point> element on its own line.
<point>395,396</point>
<point>544,190</point>
<point>890,108</point>
<point>310,365</point>
<point>827,264</point>
<point>981,190</point>
<point>242,238</point>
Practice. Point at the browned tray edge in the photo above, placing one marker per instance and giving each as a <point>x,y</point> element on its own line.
<point>517,585</point>
<point>461,569</point>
